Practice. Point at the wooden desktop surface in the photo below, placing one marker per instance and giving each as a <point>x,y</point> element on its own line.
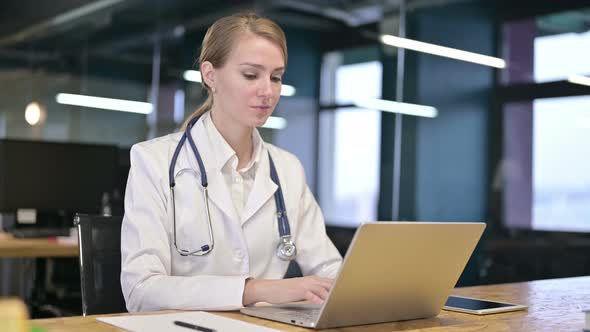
<point>11,247</point>
<point>554,305</point>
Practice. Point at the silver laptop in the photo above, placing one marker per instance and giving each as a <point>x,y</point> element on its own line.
<point>392,271</point>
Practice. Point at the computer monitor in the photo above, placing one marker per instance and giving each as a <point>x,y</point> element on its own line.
<point>51,177</point>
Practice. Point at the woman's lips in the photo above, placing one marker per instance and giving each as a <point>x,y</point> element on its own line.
<point>262,108</point>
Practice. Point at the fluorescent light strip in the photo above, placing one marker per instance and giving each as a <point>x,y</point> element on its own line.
<point>443,51</point>
<point>288,90</point>
<point>579,79</point>
<point>192,75</point>
<point>275,122</point>
<point>104,103</point>
<point>178,105</point>
<point>195,76</point>
<point>397,107</point>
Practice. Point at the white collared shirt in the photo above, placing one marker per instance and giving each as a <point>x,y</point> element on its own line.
<point>239,181</point>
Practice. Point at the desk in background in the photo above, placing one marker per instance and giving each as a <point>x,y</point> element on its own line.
<point>11,247</point>
<point>32,287</point>
<point>554,305</point>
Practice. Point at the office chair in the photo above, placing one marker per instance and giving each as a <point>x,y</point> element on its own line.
<point>100,263</point>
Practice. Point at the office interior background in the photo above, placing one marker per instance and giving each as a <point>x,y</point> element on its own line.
<point>507,146</point>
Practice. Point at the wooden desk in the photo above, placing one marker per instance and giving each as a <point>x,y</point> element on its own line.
<point>554,305</point>
<point>19,248</point>
<point>39,249</point>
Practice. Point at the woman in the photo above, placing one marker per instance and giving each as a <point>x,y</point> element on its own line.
<point>205,225</point>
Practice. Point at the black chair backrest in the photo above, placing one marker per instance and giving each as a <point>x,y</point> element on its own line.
<point>100,263</point>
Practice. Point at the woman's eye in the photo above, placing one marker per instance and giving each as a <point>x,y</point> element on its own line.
<point>250,76</point>
<point>276,79</point>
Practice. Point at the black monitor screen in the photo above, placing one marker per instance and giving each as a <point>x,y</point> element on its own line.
<point>55,176</point>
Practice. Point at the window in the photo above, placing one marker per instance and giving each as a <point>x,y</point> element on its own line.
<point>558,56</point>
<point>543,173</point>
<point>546,164</point>
<point>561,180</point>
<point>350,147</point>
<point>546,48</point>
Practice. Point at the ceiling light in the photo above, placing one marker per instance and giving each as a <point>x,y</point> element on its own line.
<point>579,79</point>
<point>287,90</point>
<point>397,107</point>
<point>33,113</point>
<point>192,75</point>
<point>104,103</point>
<point>275,122</point>
<point>443,51</point>
<point>178,31</point>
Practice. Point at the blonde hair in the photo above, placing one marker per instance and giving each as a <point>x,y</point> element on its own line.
<point>221,38</point>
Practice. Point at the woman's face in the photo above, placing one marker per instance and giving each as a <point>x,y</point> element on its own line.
<point>248,86</point>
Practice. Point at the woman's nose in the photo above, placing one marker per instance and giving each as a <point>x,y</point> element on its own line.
<point>265,88</point>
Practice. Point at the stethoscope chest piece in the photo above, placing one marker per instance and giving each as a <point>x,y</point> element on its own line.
<point>286,249</point>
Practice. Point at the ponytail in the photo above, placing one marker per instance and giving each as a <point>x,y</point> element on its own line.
<point>205,106</point>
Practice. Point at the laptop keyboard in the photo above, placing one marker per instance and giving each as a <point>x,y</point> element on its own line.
<point>307,315</point>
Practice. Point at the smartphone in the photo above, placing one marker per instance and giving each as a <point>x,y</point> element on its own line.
<point>479,306</point>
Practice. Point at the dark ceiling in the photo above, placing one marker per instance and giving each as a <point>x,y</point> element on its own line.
<point>59,33</point>
<point>117,25</point>
<point>63,33</point>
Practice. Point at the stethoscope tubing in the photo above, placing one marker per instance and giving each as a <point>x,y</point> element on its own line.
<point>282,219</point>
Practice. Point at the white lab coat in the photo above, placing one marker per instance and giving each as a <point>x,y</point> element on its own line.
<point>155,277</point>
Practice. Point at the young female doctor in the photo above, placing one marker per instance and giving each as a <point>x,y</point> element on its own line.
<point>213,214</point>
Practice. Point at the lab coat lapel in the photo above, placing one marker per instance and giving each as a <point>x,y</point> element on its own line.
<point>263,188</point>
<point>219,194</point>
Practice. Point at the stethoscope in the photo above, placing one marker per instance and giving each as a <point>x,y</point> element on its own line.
<point>286,249</point>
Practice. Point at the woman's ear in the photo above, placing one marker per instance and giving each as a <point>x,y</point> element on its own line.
<point>208,73</point>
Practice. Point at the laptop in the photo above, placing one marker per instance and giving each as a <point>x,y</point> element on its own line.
<point>392,271</point>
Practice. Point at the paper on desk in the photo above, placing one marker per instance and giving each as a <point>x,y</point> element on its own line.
<point>165,322</point>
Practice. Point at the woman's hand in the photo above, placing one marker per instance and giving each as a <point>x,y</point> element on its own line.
<point>312,288</point>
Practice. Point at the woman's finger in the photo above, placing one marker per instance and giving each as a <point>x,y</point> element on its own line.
<point>312,297</point>
<point>325,282</point>
<point>321,292</point>
<point>326,285</point>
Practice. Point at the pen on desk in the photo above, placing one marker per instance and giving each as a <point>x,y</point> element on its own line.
<point>193,326</point>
